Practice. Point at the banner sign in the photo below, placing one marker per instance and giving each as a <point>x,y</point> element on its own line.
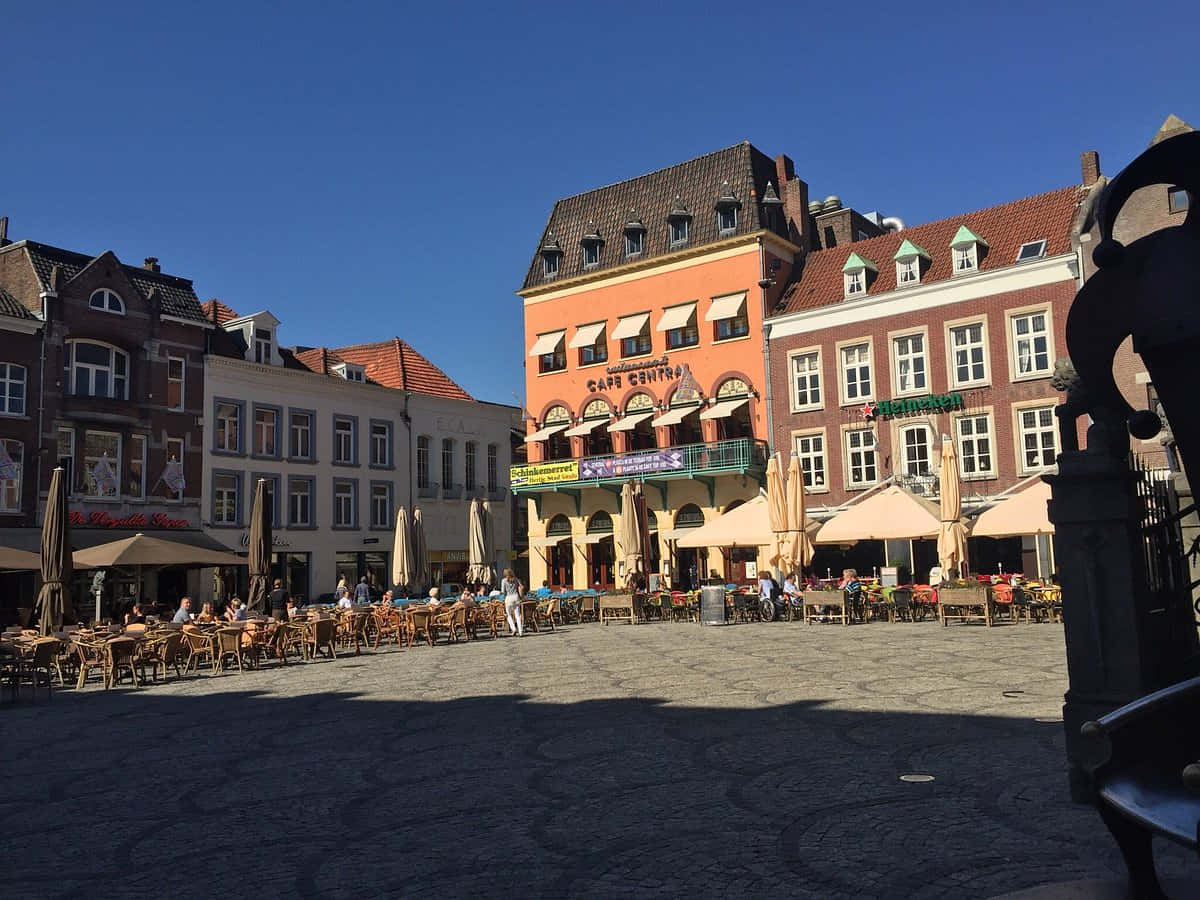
<point>100,519</point>
<point>932,403</point>
<point>544,473</point>
<point>629,464</point>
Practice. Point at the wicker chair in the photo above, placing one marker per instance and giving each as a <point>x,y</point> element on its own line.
<point>420,622</point>
<point>121,656</point>
<point>200,649</point>
<point>160,653</point>
<point>352,629</point>
<point>546,611</point>
<point>900,605</point>
<point>38,667</point>
<point>229,643</point>
<point>588,609</point>
<point>321,636</point>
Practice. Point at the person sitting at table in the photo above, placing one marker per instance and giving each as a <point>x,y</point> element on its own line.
<point>766,586</point>
<point>135,616</point>
<point>184,613</point>
<point>387,599</point>
<point>206,614</point>
<point>291,610</point>
<point>544,591</point>
<point>790,588</point>
<point>433,597</point>
<point>236,611</point>
<point>467,598</point>
<point>344,602</point>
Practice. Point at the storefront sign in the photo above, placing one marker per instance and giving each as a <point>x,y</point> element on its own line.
<point>277,540</point>
<point>932,403</point>
<point>101,519</point>
<point>628,464</point>
<point>644,371</point>
<point>544,473</point>
<point>448,556</point>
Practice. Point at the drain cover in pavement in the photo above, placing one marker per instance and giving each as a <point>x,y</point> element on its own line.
<point>916,779</point>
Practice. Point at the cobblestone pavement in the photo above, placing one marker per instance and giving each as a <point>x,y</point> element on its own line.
<point>752,760</point>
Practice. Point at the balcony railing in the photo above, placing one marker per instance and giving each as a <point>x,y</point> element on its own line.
<point>741,456</point>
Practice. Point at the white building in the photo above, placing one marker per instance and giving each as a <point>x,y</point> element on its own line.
<point>344,437</point>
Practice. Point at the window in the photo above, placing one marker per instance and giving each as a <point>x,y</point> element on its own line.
<point>300,435</point>
<point>550,264</point>
<point>101,463</point>
<point>1038,437</point>
<point>969,350</point>
<point>856,275</point>
<point>262,346</point>
<point>97,370</point>
<point>381,504</point>
<point>860,457</point>
<point>909,357</point>
<point>914,443</point>
<point>591,254</point>
<point>173,477</point>
<point>964,259</point>
<point>227,435</point>
<point>1178,199</point>
<point>493,481</point>
<point>1031,344</point>
<point>65,452</point>
<point>137,467</point>
<point>423,461</point>
<point>381,444</point>
<point>687,336</point>
<point>226,500</point>
<point>591,342</point>
<point>300,505</point>
<point>634,242</point>
<point>107,301</point>
<point>12,467</point>
<point>176,368</point>
<point>856,372</point>
<point>680,230</point>
<point>1031,250</point>
<point>344,449</point>
<point>447,462</point>
<point>727,219</point>
<point>469,452</point>
<point>343,504</point>
<point>12,389</point>
<point>266,431</point>
<point>806,381</point>
<point>908,271</point>
<point>637,344</point>
<point>974,445</point>
<point>734,327</point>
<point>810,450</point>
<point>549,349</point>
<point>855,282</point>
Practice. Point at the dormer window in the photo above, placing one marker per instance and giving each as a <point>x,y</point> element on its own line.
<point>635,236</point>
<point>911,260</point>
<point>551,256</point>
<point>727,207</point>
<point>1031,250</point>
<point>857,274</point>
<point>967,249</point>
<point>771,205</point>
<point>262,346</point>
<point>107,301</point>
<point>680,223</point>
<point>350,372</point>
<point>591,242</point>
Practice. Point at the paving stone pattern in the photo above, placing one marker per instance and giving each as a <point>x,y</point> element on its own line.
<point>750,760</point>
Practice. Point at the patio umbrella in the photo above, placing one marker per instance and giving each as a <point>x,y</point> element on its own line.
<point>18,560</point>
<point>893,514</point>
<point>420,552</point>
<point>479,567</point>
<point>777,513</point>
<point>631,535</point>
<point>952,537</point>
<point>1023,513</point>
<point>260,549</point>
<point>56,560</point>
<point>144,550</point>
<point>799,544</point>
<point>747,525</point>
<point>402,553</point>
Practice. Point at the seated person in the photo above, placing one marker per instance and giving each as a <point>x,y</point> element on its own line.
<point>206,614</point>
<point>236,611</point>
<point>466,598</point>
<point>183,615</point>
<point>135,616</point>
<point>544,591</point>
<point>433,597</point>
<point>387,599</point>
<point>766,586</point>
<point>291,610</point>
<point>345,601</point>
<point>790,588</point>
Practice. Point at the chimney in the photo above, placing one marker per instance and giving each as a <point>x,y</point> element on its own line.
<point>151,263</point>
<point>4,241</point>
<point>1089,161</point>
<point>795,208</point>
<point>785,170</point>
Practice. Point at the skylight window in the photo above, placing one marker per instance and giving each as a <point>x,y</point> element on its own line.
<point>1031,250</point>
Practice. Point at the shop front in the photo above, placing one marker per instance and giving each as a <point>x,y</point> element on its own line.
<point>448,566</point>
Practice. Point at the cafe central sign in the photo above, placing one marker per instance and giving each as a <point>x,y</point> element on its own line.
<point>933,403</point>
<point>644,371</point>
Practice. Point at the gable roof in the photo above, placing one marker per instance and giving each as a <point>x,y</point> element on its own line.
<point>696,185</point>
<point>217,312</point>
<point>1005,228</point>
<point>392,363</point>
<point>176,295</point>
<point>13,308</point>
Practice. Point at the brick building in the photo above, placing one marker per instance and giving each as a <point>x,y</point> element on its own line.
<point>112,360</point>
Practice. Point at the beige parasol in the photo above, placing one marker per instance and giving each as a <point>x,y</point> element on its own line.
<point>952,537</point>
<point>402,553</point>
<point>746,525</point>
<point>56,555</point>
<point>777,513</point>
<point>799,550</point>
<point>144,550</point>
<point>420,552</point>
<point>1025,512</point>
<point>12,560</point>
<point>893,514</point>
<point>479,568</point>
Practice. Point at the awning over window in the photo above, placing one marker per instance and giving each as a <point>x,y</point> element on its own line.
<point>586,335</point>
<point>630,326</point>
<point>630,422</point>
<point>726,307</point>
<point>676,317</point>
<point>550,540</point>
<point>724,408</point>
<point>674,415</point>
<point>542,433</point>
<point>547,343</point>
<point>584,428</point>
<point>593,538</point>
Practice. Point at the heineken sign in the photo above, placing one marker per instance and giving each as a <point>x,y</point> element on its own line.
<point>932,403</point>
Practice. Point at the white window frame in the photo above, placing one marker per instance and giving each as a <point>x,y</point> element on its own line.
<point>1039,245</point>
<point>237,422</point>
<point>969,255</point>
<point>90,461</point>
<point>902,448</point>
<point>447,462</point>
<point>855,282</point>
<point>110,302</point>
<point>898,357</point>
<point>722,228</point>
<point>964,441</point>
<point>843,370</point>
<point>167,456</point>
<point>220,504</point>
<point>263,347</point>
<point>344,502</point>
<point>812,373</point>
<point>470,465</point>
<point>630,252</point>
<point>493,468</point>
<point>381,443</point>
<point>1019,412</point>
<point>591,254</point>
<point>685,225</point>
<point>141,443</point>
<point>383,520</point>
<point>8,382</point>
<point>181,380</point>
<point>813,457</point>
<point>296,431</point>
<point>860,440</point>
<point>261,431</point>
<point>69,456</point>
<point>92,368</point>
<point>343,440</point>
<point>1015,341</point>
<point>910,266</point>
<point>11,489</point>
<point>300,488</point>
<point>952,353</point>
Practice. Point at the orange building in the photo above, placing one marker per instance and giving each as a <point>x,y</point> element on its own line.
<point>645,358</point>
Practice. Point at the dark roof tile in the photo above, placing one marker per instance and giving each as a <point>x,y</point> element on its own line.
<point>10,306</point>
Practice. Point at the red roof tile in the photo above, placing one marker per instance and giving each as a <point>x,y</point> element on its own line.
<point>1005,228</point>
<point>312,358</point>
<point>217,312</point>
<point>394,364</point>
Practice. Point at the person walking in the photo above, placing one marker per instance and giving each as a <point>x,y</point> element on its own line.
<point>362,592</point>
<point>513,591</point>
<point>279,601</point>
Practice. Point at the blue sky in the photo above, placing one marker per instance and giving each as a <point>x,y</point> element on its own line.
<point>375,169</point>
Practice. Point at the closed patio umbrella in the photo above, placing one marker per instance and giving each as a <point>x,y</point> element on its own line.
<point>260,549</point>
<point>631,535</point>
<point>777,513</point>
<point>402,553</point>
<point>952,537</point>
<point>799,544</point>
<point>479,567</point>
<point>56,560</point>
<point>420,552</point>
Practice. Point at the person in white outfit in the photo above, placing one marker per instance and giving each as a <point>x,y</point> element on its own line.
<point>512,589</point>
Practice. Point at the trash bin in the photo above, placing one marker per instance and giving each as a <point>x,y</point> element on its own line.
<point>712,605</point>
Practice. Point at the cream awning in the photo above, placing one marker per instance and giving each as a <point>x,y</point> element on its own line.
<point>676,317</point>
<point>748,525</point>
<point>548,541</point>
<point>630,422</point>
<point>675,415</point>
<point>593,538</point>
<point>674,534</point>
<point>1023,513</point>
<point>893,514</point>
<point>630,326</point>
<point>726,307</point>
<point>547,343</point>
<point>586,335</point>
<point>724,408</point>
<point>542,433</point>
<point>584,428</point>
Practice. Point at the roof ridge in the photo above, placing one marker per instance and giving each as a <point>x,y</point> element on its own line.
<point>403,366</point>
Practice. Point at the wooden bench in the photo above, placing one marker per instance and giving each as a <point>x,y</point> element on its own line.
<point>622,607</point>
<point>966,604</point>
<point>1144,776</point>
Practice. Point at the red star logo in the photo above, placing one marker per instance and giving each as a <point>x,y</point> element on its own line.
<point>868,411</point>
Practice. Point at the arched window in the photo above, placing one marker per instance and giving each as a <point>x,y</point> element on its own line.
<point>560,524</point>
<point>557,446</point>
<point>97,370</point>
<point>597,409</point>
<point>12,389</point>
<point>732,387</point>
<point>107,301</point>
<point>689,516</point>
<point>600,523</point>
<point>641,435</point>
<point>639,403</point>
<point>733,400</point>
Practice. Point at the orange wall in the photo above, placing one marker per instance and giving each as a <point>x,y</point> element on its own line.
<point>652,292</point>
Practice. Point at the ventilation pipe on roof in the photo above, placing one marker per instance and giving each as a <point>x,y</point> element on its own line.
<point>892,223</point>
<point>4,241</point>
